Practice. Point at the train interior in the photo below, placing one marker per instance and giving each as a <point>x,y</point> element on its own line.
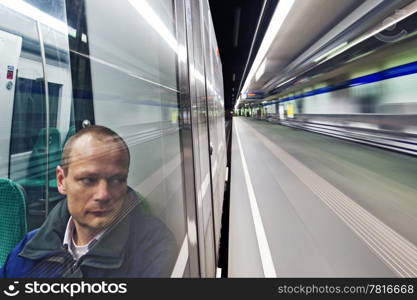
<point>64,66</point>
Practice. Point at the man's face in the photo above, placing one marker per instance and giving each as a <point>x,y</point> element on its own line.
<point>95,184</point>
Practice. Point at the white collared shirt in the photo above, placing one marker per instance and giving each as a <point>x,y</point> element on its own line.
<point>77,251</point>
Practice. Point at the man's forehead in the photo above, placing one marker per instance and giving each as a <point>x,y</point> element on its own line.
<point>90,147</point>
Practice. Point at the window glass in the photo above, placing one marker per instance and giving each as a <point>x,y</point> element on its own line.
<point>136,93</point>
<point>31,122</point>
<point>201,144</point>
<point>23,115</point>
<point>29,112</point>
<point>121,74</point>
<point>55,36</point>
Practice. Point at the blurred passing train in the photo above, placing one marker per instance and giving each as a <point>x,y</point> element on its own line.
<point>149,70</point>
<point>360,85</point>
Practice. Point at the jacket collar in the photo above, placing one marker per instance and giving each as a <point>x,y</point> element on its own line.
<point>107,252</point>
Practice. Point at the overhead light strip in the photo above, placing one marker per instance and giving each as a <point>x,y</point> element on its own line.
<point>261,70</point>
<point>330,52</point>
<point>252,45</point>
<point>397,17</point>
<point>281,12</point>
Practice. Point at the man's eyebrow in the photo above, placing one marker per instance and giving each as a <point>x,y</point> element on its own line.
<point>87,173</point>
<point>96,174</point>
<point>119,175</point>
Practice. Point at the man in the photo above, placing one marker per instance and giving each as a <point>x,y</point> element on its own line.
<point>101,228</point>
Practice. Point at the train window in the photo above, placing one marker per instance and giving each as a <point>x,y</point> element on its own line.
<point>82,108</point>
<point>35,38</point>
<point>135,90</point>
<point>22,112</point>
<point>121,74</point>
<point>29,112</point>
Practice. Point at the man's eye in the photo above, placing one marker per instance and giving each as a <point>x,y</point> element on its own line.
<point>118,180</point>
<point>88,180</point>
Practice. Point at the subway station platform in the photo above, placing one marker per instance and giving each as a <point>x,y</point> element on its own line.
<point>308,205</point>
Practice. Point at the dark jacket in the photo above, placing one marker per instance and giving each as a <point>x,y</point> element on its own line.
<point>138,245</point>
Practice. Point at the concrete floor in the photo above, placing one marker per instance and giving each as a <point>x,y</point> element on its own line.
<point>328,207</point>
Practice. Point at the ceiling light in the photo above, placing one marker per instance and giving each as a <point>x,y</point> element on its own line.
<point>261,70</point>
<point>332,51</point>
<point>281,12</point>
<point>394,19</point>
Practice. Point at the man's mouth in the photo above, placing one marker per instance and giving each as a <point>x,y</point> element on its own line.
<point>100,212</point>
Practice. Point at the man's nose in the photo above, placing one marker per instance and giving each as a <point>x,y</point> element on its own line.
<point>102,191</point>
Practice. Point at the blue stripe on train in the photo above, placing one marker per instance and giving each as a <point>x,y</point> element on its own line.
<point>402,70</point>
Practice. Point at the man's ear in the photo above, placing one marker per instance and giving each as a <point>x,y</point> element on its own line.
<point>60,179</point>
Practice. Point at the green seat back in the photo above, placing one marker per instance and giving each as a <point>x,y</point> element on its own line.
<point>143,202</point>
<point>37,161</point>
<point>12,216</point>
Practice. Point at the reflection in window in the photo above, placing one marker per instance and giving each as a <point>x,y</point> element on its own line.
<point>29,112</point>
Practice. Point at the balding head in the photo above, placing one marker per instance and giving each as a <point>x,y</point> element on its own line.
<point>93,177</point>
<point>101,141</point>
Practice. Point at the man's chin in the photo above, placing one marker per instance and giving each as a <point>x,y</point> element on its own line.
<point>100,223</point>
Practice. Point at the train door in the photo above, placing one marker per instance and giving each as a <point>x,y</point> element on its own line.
<point>10,48</point>
<point>22,109</point>
<point>200,140</point>
<point>214,118</point>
